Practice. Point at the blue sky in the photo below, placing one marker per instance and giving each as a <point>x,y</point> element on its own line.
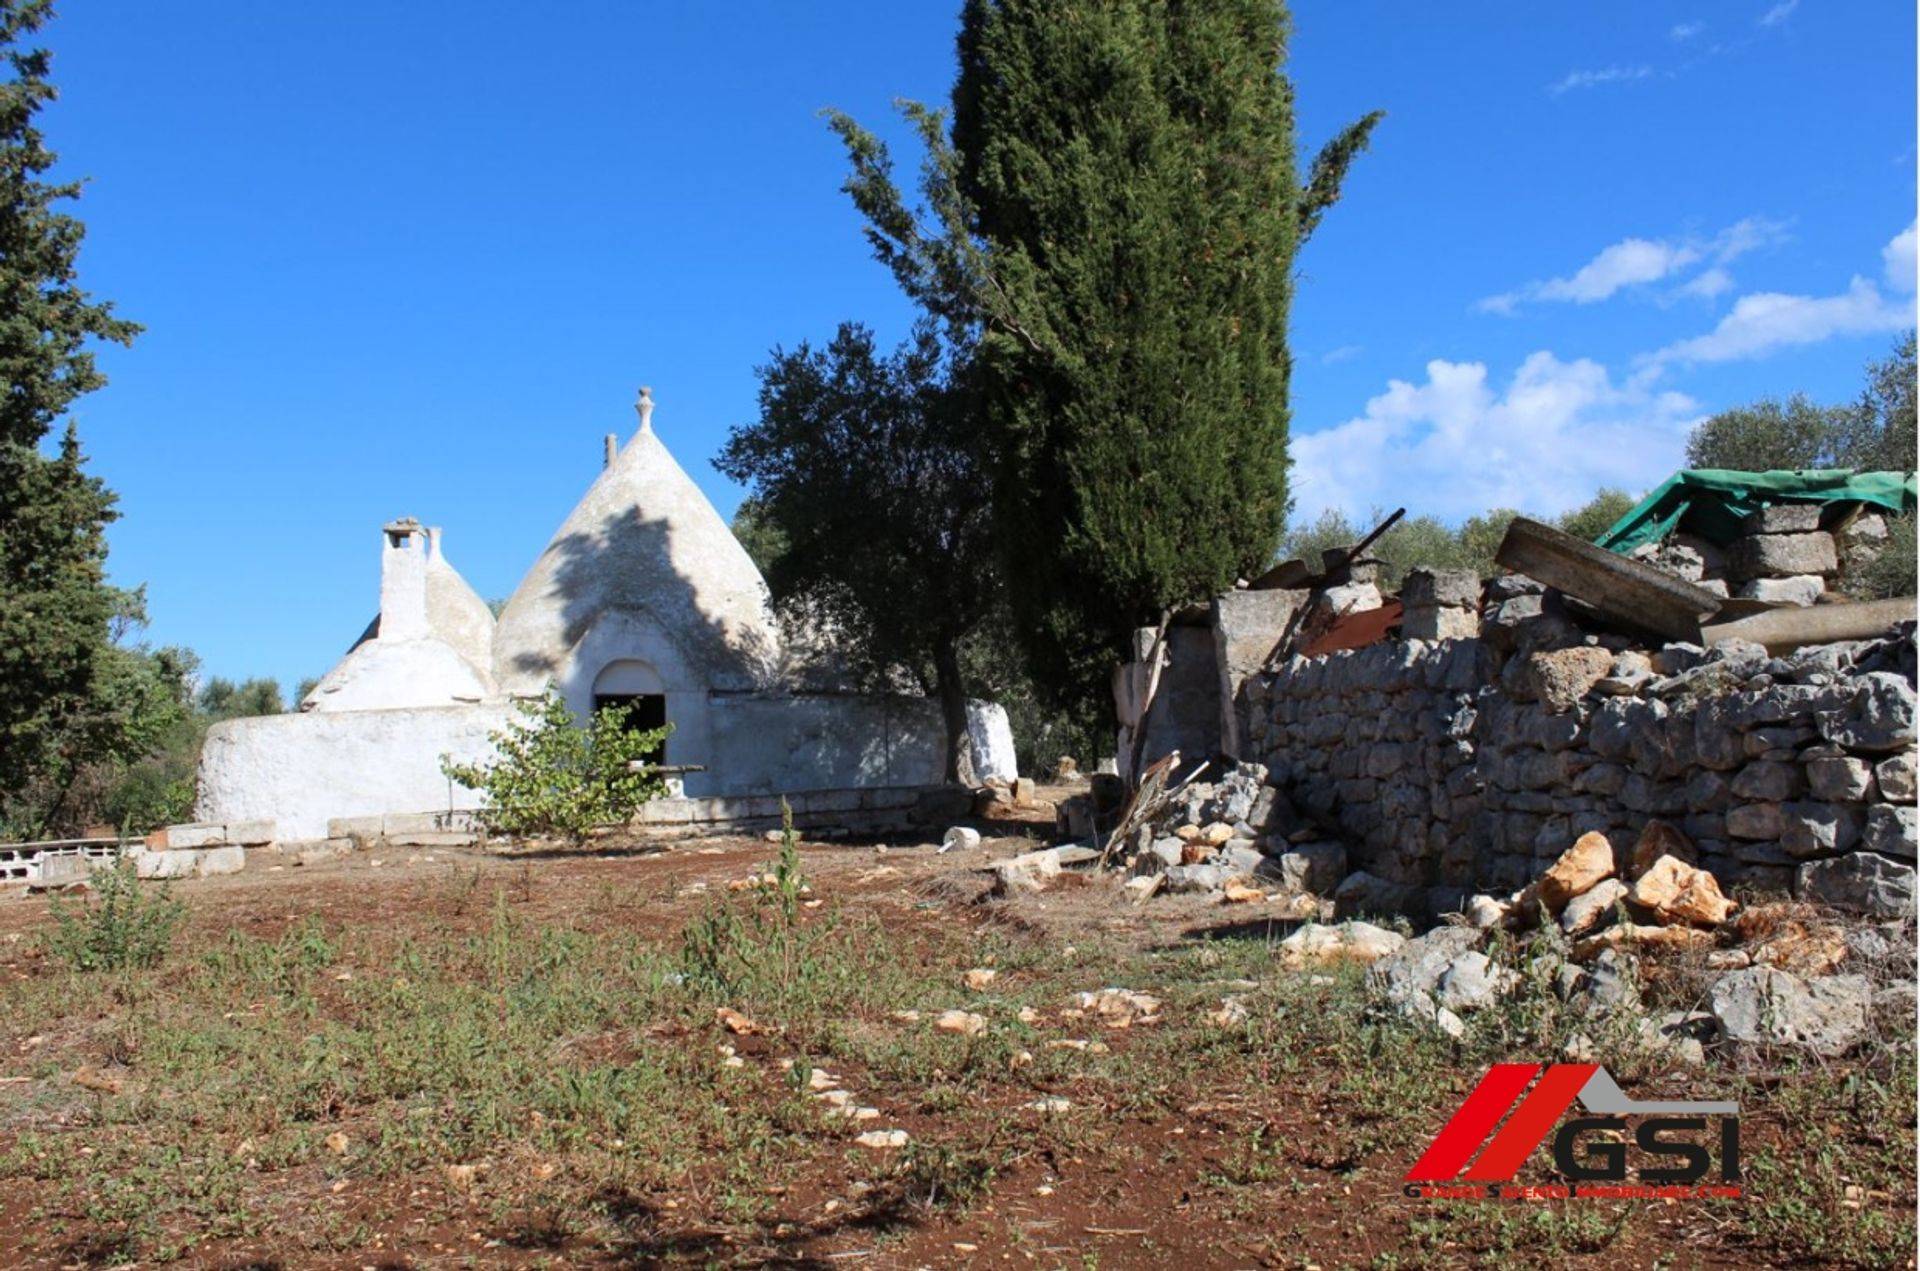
<point>415,259</point>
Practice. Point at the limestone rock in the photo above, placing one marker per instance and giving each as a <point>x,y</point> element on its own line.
<point>1804,949</point>
<point>1408,979</point>
<point>1350,941</point>
<point>1841,779</point>
<point>1767,781</point>
<point>1783,518</point>
<point>1471,982</point>
<point>1678,892</point>
<point>1658,839</point>
<point>965,1023</point>
<point>1027,873</point>
<point>1456,588</point>
<point>1760,1005</point>
<point>1610,985</point>
<point>1896,778</point>
<point>1629,935</point>
<point>1891,830</point>
<point>1484,912</point>
<point>1579,868</point>
<point>1593,907</point>
<point>1189,879</point>
<point>1817,829</point>
<point>1564,676</point>
<point>1433,623</point>
<point>1784,555</point>
<point>1316,868</point>
<point>1756,821</point>
<point>1860,882</point>
<point>1802,590</point>
<point>1880,718</point>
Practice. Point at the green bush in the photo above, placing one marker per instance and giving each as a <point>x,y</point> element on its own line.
<point>555,779</point>
<point>122,923</point>
<point>764,954</point>
<point>1891,573</point>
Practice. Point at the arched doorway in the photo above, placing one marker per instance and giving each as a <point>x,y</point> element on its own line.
<point>633,685</point>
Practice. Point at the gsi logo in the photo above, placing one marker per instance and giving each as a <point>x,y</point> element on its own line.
<point>1470,1149</point>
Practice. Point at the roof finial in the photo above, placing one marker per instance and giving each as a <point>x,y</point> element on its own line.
<point>645,408</point>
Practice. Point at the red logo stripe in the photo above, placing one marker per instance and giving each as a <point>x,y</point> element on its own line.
<point>1530,1122</point>
<point>1459,1138</point>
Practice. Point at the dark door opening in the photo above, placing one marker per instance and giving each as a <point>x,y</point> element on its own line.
<point>644,711</point>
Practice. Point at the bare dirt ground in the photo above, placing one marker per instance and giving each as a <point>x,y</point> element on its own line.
<point>423,1058</point>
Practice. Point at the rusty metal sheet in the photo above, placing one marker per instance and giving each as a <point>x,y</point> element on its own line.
<point>1356,630</point>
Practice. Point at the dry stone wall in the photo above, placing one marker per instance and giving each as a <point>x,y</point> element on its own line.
<point>1455,766</point>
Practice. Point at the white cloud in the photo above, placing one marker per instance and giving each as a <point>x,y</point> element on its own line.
<point>1593,79</point>
<point>1746,235</point>
<point>1897,258</point>
<point>1345,353</point>
<point>1707,285</point>
<point>1636,262</point>
<point>1454,445</point>
<point>1779,13</point>
<point>1766,321</point>
<point>1686,30</point>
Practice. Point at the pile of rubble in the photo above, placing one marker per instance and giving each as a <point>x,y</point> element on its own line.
<point>1594,930</point>
<point>1237,838</point>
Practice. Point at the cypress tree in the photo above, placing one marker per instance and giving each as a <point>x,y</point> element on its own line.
<point>55,606</point>
<point>1127,171</point>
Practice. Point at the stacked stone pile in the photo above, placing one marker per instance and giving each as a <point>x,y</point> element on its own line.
<point>1237,837</point>
<point>1790,553</point>
<point>1460,764</point>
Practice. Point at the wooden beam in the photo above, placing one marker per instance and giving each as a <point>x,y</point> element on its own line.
<point>1630,593</point>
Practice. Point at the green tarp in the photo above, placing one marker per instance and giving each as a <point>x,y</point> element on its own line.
<point>1712,502</point>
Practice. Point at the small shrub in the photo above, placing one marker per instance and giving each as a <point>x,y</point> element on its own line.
<point>1891,573</point>
<point>553,778</point>
<point>120,925</point>
<point>764,952</point>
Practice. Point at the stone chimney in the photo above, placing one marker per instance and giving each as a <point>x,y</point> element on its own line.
<point>403,580</point>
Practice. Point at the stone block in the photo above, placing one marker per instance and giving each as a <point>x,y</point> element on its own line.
<point>1447,588</point>
<point>1841,780</point>
<point>1861,882</point>
<point>1561,678</point>
<point>193,862</point>
<point>361,827</point>
<point>230,859</point>
<point>1816,829</point>
<point>1435,622</point>
<point>1785,555</point>
<point>1896,778</point>
<point>1755,821</point>
<point>251,833</point>
<point>200,834</point>
<point>1784,518</point>
<point>1891,830</point>
<point>434,838</point>
<point>1879,718</point>
<point>1768,781</point>
<point>1802,590</point>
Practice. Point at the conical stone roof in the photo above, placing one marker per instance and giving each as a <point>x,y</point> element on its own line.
<point>645,548</point>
